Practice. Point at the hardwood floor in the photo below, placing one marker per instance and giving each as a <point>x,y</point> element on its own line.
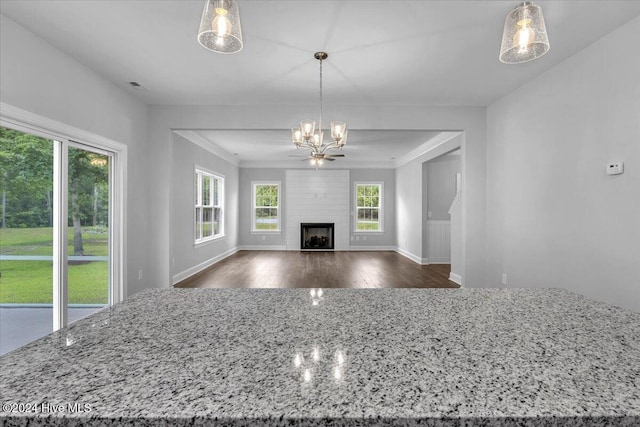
<point>292,269</point>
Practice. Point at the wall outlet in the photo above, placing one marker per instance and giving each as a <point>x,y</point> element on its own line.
<point>429,214</point>
<point>504,278</point>
<point>140,274</point>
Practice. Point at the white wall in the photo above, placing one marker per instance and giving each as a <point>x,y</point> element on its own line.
<point>555,218</point>
<point>411,206</point>
<point>317,196</point>
<point>186,258</point>
<point>441,185</point>
<point>42,80</point>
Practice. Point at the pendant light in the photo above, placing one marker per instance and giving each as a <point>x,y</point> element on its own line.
<point>525,36</point>
<point>220,26</point>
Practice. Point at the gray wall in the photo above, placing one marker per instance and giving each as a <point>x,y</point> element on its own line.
<point>184,254</point>
<point>556,219</point>
<point>245,236</point>
<point>388,237</point>
<point>278,241</point>
<point>441,185</point>
<point>42,80</point>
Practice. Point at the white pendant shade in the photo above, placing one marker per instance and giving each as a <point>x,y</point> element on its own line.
<point>220,26</point>
<point>525,36</point>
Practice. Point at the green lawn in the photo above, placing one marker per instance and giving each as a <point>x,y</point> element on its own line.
<point>31,281</point>
<point>368,226</point>
<point>39,241</point>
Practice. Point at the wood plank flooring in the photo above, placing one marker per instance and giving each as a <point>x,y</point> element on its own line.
<point>292,269</point>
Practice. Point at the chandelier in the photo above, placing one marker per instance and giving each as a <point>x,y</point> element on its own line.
<point>307,136</point>
<point>525,36</point>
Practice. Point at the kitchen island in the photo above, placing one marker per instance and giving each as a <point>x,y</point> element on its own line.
<point>349,357</point>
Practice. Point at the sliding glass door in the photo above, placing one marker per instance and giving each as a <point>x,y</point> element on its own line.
<point>56,235</point>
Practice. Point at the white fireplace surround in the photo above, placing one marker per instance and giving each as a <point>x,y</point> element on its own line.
<point>320,196</point>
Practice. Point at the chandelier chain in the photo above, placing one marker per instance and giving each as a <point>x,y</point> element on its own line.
<point>320,123</point>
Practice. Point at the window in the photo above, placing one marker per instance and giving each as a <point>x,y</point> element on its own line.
<point>368,207</point>
<point>266,207</point>
<point>209,199</point>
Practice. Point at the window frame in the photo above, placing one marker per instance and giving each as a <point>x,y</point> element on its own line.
<point>380,207</point>
<point>254,185</point>
<point>199,174</point>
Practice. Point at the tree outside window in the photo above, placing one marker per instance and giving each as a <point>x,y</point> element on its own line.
<point>266,206</point>
<point>369,207</point>
<point>209,189</point>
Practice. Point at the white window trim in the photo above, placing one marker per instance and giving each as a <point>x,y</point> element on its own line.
<point>253,207</point>
<point>380,209</point>
<point>221,203</point>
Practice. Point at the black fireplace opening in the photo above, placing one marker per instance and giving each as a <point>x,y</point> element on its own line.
<point>317,236</point>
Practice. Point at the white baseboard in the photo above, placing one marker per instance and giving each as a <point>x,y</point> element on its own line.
<point>439,260</point>
<point>372,248</point>
<point>412,257</point>
<point>203,265</point>
<point>262,248</point>
<point>456,278</point>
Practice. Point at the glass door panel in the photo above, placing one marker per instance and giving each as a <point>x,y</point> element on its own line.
<point>26,238</point>
<point>88,232</point>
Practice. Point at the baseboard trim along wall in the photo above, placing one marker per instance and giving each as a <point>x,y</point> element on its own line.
<point>456,278</point>
<point>412,257</point>
<point>262,248</point>
<point>372,248</point>
<point>203,265</point>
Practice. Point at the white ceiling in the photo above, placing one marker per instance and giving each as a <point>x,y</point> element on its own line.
<point>380,53</point>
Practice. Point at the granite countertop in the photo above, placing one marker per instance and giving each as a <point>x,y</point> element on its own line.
<point>441,357</point>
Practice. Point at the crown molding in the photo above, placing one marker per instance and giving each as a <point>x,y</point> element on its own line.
<point>202,142</point>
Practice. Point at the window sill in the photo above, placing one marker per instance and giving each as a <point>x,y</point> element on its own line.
<point>369,232</point>
<point>266,231</point>
<point>208,241</point>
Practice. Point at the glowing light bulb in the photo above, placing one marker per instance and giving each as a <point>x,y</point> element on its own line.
<point>296,136</point>
<point>297,361</point>
<point>221,26</point>
<point>313,162</point>
<point>525,36</point>
<point>315,302</point>
<point>320,162</point>
<point>313,293</point>
<point>307,375</point>
<point>320,292</point>
<point>316,354</point>
<point>307,127</point>
<point>339,357</point>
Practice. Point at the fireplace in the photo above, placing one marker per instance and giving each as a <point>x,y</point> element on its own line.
<point>316,236</point>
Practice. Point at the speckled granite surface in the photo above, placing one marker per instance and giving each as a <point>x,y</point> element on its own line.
<point>349,357</point>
